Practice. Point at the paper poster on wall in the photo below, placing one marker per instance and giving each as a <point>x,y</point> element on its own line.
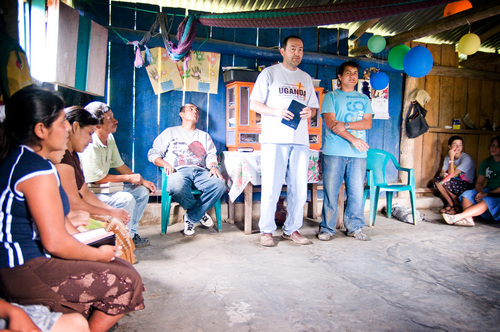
<point>202,74</point>
<point>379,99</point>
<point>335,84</point>
<point>162,71</point>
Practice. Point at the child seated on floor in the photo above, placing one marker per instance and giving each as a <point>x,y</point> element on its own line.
<point>456,175</point>
<point>16,317</point>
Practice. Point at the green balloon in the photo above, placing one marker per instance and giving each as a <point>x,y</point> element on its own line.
<point>376,43</point>
<point>397,55</point>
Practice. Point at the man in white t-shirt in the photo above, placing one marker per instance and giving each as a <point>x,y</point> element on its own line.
<point>284,150</point>
<point>189,158</point>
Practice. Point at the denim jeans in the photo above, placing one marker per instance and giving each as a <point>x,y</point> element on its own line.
<point>353,171</point>
<point>180,183</point>
<point>133,199</point>
<point>279,163</point>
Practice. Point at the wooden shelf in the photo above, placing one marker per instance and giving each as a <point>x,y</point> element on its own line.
<point>463,131</point>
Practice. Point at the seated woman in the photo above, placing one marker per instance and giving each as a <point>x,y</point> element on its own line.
<point>40,262</point>
<point>456,176</point>
<point>72,179</point>
<point>484,200</point>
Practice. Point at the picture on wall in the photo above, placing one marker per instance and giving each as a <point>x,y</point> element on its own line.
<point>378,98</point>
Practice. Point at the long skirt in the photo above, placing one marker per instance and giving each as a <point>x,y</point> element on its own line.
<point>74,286</point>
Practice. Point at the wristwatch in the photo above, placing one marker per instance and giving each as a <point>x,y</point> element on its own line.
<point>346,125</point>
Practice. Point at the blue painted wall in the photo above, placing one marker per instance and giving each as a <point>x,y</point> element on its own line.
<point>142,115</point>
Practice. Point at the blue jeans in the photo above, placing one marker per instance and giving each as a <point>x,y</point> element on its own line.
<point>133,199</point>
<point>180,183</point>
<point>353,171</point>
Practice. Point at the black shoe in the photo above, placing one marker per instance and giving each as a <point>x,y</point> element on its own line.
<point>140,242</point>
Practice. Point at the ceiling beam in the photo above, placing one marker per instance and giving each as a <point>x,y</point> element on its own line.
<point>272,54</point>
<point>472,62</point>
<point>490,33</point>
<point>444,24</point>
<point>362,29</point>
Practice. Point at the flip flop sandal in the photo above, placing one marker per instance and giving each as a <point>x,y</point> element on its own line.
<point>446,209</point>
<point>449,218</point>
<point>465,222</point>
<point>454,209</point>
<point>452,220</point>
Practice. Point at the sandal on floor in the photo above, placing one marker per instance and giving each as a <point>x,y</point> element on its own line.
<point>454,209</point>
<point>465,222</point>
<point>446,209</point>
<point>451,220</point>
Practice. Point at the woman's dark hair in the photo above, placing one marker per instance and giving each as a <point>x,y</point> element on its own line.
<point>454,138</point>
<point>23,110</point>
<point>80,115</point>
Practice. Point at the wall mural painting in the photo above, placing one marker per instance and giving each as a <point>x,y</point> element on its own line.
<point>201,74</point>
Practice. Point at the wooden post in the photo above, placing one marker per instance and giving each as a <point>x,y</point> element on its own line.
<point>248,191</point>
<point>407,145</point>
<point>313,204</point>
<point>230,211</point>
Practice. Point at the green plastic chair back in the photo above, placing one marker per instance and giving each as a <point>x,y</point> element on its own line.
<point>376,168</point>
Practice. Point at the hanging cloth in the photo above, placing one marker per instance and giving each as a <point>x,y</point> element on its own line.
<point>185,35</point>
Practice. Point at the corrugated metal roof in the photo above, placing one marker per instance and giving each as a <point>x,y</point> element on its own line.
<point>386,26</point>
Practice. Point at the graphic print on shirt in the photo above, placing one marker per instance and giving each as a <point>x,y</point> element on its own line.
<point>490,174</point>
<point>293,91</point>
<point>355,113</point>
<point>189,155</point>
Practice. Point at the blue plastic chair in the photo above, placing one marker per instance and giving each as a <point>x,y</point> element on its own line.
<point>376,164</point>
<point>166,202</point>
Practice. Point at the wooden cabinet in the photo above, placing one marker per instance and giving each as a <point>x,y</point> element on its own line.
<point>243,126</point>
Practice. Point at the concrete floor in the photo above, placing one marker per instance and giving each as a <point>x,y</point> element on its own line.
<point>431,276</point>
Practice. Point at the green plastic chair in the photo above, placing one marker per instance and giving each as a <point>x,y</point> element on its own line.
<point>376,164</point>
<point>166,202</point>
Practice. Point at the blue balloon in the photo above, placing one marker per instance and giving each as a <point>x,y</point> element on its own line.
<point>379,81</point>
<point>418,61</point>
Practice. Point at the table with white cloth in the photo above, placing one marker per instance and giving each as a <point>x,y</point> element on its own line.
<point>242,171</point>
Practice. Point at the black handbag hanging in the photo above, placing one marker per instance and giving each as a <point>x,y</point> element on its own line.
<point>416,124</point>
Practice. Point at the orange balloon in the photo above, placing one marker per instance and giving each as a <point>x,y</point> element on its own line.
<point>456,7</point>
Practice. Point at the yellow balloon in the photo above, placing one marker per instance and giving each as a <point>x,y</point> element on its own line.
<point>469,44</point>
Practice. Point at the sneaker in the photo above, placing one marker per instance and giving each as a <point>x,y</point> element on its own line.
<point>207,221</point>
<point>359,235</point>
<point>324,236</point>
<point>140,242</point>
<point>188,227</point>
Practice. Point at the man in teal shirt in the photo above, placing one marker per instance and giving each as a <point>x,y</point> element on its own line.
<point>346,114</point>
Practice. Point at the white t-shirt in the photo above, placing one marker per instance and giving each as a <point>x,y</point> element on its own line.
<point>181,148</point>
<point>276,87</point>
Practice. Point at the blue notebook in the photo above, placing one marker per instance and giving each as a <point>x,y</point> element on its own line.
<point>295,107</point>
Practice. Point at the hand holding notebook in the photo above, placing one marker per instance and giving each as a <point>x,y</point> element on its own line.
<point>295,107</point>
